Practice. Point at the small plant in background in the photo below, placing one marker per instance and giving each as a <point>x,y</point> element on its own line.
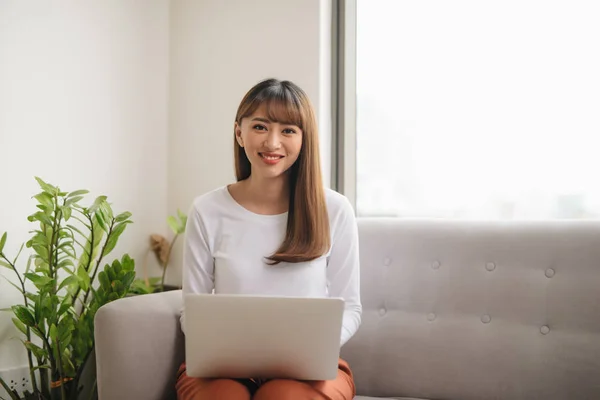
<point>60,298</point>
<point>162,249</point>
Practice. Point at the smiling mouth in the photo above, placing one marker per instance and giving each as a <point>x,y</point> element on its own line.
<point>270,157</point>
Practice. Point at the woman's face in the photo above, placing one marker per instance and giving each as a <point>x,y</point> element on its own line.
<point>272,147</point>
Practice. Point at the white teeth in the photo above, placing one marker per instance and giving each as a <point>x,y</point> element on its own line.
<point>270,157</point>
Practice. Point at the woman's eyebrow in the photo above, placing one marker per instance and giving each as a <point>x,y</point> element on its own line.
<point>261,120</point>
<point>266,121</point>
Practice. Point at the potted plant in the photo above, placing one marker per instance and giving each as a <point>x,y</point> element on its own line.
<point>63,284</point>
<point>161,248</point>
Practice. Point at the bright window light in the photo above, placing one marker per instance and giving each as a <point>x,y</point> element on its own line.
<point>478,109</point>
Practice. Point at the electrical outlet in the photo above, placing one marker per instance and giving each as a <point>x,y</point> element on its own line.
<point>17,379</point>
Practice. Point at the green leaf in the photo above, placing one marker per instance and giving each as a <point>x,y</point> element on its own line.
<point>110,272</point>
<point>40,239</point>
<point>65,305</point>
<point>127,263</point>
<point>39,280</point>
<point>78,193</point>
<point>71,280</point>
<point>117,287</point>
<point>65,263</point>
<point>38,333</point>
<point>65,233</point>
<point>154,280</point>
<point>116,266</point>
<point>66,210</point>
<point>46,187</point>
<point>139,286</point>
<point>24,315</point>
<point>28,264</point>
<point>41,217</point>
<point>42,251</point>
<point>172,221</point>
<point>76,230</point>
<point>45,199</point>
<point>20,326</point>
<point>53,331</point>
<point>98,238</point>
<point>42,266</point>
<point>13,284</point>
<point>101,222</point>
<point>36,350</point>
<point>37,309</point>
<point>128,280</point>
<point>104,280</point>
<point>84,223</point>
<point>65,328</point>
<point>99,200</point>
<point>122,217</point>
<point>106,210</point>
<point>5,264</point>
<point>114,237</point>
<point>2,242</point>
<point>40,367</point>
<point>18,254</point>
<point>183,221</point>
<point>84,278</point>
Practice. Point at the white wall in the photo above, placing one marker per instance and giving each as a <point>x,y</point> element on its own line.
<point>136,100</point>
<point>83,104</point>
<point>219,50</point>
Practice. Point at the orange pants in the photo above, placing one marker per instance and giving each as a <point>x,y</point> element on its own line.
<point>341,388</point>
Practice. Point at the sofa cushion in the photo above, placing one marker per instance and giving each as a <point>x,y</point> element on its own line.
<point>478,310</point>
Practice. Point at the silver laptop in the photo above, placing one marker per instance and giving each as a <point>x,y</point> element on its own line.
<point>236,336</point>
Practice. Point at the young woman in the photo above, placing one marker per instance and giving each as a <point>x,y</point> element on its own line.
<point>276,231</point>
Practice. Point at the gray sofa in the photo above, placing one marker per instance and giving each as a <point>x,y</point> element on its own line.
<point>451,310</point>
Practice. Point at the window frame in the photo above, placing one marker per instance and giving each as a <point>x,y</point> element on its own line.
<point>343,165</point>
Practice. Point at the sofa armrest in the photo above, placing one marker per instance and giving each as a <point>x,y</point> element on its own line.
<point>139,347</point>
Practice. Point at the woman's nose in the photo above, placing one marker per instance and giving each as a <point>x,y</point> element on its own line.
<point>272,141</point>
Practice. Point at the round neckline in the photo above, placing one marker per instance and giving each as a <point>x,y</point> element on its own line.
<point>252,213</point>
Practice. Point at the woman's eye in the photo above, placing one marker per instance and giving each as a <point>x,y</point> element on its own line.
<point>289,130</point>
<point>259,127</point>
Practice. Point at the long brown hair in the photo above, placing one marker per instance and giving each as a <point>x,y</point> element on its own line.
<point>307,235</point>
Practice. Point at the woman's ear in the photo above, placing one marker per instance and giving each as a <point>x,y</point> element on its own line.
<point>238,134</point>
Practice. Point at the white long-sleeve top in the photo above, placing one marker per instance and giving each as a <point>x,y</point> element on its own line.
<point>226,245</point>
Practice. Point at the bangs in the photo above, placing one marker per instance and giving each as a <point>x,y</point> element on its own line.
<point>282,105</point>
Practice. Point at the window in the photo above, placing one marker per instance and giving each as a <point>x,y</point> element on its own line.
<point>471,109</point>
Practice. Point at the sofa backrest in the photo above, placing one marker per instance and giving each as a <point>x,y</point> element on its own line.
<point>478,310</point>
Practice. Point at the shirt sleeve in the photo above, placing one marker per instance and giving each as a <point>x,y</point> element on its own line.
<point>343,270</point>
<point>198,263</point>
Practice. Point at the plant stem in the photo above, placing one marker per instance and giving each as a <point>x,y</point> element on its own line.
<point>28,334</point>
<point>56,364</point>
<point>63,394</point>
<point>162,281</point>
<point>45,384</point>
<point>52,249</point>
